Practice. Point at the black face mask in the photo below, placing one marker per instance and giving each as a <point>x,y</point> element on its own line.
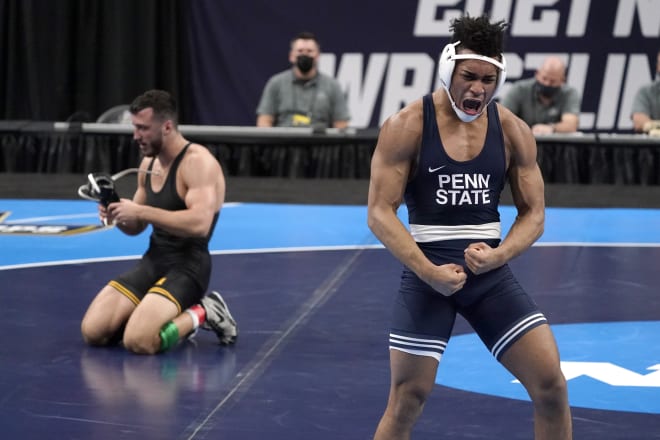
<point>547,91</point>
<point>304,63</point>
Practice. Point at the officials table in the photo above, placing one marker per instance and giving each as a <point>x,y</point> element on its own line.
<point>61,147</point>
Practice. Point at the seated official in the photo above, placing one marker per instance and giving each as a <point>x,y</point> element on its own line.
<point>646,106</point>
<point>302,96</point>
<point>545,102</point>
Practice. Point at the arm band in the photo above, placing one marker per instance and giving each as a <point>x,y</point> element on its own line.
<point>169,336</point>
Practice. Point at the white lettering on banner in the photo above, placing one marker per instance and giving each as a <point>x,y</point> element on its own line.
<point>577,18</point>
<point>637,72</point>
<point>397,79</point>
<point>524,23</point>
<point>361,89</point>
<point>409,76</point>
<point>530,18</point>
<point>611,90</point>
<point>648,14</point>
<point>426,24</point>
<point>536,18</point>
<point>406,77</point>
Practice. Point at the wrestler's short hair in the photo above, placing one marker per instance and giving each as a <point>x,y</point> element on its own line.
<point>479,35</point>
<point>162,102</point>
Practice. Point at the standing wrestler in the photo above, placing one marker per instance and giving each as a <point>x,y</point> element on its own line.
<point>448,156</point>
<point>180,192</point>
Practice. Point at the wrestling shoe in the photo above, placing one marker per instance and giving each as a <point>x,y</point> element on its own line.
<point>219,319</point>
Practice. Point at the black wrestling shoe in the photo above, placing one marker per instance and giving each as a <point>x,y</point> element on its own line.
<point>219,319</point>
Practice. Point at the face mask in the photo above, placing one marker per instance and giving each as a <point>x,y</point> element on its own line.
<point>304,63</point>
<point>547,91</point>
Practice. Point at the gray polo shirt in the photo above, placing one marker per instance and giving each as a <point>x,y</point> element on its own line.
<point>647,100</point>
<point>293,102</point>
<point>522,101</point>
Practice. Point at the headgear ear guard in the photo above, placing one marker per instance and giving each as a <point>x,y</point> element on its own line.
<point>446,67</point>
<point>448,59</point>
<point>100,187</point>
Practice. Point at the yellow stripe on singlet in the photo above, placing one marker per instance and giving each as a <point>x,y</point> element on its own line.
<point>124,291</point>
<point>166,294</point>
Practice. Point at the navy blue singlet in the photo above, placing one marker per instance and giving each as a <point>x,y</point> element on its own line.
<point>452,204</point>
<point>456,202</point>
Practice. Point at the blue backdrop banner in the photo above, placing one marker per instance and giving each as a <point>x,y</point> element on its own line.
<point>385,54</point>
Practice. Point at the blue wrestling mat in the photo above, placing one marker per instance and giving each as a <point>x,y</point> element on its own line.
<point>40,231</point>
<point>311,288</point>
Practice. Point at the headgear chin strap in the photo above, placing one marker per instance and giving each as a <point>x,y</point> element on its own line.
<point>446,67</point>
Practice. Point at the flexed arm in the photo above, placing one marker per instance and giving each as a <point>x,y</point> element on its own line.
<point>202,181</point>
<point>527,189</point>
<point>393,157</point>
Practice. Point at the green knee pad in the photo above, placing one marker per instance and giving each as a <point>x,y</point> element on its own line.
<point>169,335</point>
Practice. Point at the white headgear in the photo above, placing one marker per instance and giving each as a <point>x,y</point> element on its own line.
<point>446,67</point>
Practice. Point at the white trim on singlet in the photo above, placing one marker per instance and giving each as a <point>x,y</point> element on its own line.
<point>434,354</point>
<point>418,346</point>
<point>429,233</point>
<point>515,331</point>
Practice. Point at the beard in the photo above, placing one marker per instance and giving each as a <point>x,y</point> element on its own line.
<point>152,149</point>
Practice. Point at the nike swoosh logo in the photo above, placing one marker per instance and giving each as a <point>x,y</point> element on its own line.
<point>433,170</point>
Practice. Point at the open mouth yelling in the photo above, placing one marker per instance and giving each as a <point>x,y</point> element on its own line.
<point>471,106</point>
